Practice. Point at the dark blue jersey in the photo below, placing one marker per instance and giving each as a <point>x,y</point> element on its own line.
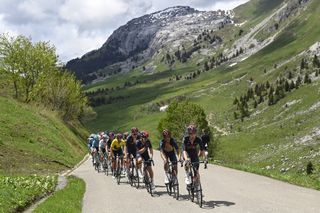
<point>192,148</point>
<point>168,147</point>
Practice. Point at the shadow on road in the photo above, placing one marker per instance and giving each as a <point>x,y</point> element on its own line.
<point>214,204</point>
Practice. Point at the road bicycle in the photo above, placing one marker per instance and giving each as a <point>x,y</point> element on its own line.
<point>173,184</point>
<point>194,188</point>
<point>117,172</point>
<point>132,173</point>
<point>96,160</point>
<point>106,164</point>
<point>146,176</point>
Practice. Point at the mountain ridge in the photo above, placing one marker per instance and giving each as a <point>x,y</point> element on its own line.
<point>139,39</point>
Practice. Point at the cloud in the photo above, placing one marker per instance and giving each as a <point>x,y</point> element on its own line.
<point>78,26</point>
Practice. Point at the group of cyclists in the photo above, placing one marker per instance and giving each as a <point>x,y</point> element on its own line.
<point>138,147</point>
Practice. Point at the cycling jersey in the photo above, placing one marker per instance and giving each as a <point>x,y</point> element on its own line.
<point>103,143</point>
<point>109,143</point>
<point>131,146</point>
<point>116,144</point>
<point>191,148</point>
<point>95,143</point>
<point>168,148</point>
<point>145,155</point>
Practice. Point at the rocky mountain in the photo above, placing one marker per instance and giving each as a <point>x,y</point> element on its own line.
<point>137,41</point>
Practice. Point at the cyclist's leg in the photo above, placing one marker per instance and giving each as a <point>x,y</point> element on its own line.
<point>173,159</point>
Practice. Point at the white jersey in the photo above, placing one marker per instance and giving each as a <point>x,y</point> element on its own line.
<point>103,144</point>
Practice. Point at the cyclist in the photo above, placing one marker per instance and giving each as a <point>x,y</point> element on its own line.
<point>90,141</point>
<point>205,140</point>
<point>111,138</point>
<point>116,150</point>
<point>145,151</point>
<point>125,135</point>
<point>130,148</point>
<point>95,147</point>
<point>103,145</point>
<point>169,150</point>
<point>190,151</point>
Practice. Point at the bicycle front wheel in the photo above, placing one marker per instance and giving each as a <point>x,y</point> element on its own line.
<point>199,195</point>
<point>175,186</point>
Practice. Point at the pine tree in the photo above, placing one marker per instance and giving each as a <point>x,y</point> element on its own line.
<point>287,86</point>
<point>268,85</point>
<point>303,64</point>
<point>298,82</point>
<point>316,62</point>
<point>307,79</point>
<point>292,85</point>
<point>271,100</point>
<point>261,99</point>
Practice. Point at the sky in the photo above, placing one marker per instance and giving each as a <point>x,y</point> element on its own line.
<point>76,27</point>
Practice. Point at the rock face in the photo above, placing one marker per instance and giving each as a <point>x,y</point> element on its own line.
<point>138,40</point>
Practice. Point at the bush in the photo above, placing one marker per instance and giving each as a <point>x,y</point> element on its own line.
<point>310,168</point>
<point>179,115</point>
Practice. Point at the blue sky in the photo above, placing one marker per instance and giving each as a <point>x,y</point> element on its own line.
<point>78,26</point>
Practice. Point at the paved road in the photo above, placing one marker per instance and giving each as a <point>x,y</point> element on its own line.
<point>225,190</point>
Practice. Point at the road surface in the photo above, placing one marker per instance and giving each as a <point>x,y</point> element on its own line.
<point>224,189</point>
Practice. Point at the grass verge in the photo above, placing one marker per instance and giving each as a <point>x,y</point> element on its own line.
<point>68,199</point>
<point>18,192</point>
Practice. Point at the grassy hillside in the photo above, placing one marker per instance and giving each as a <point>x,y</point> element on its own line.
<point>34,140</point>
<point>278,140</point>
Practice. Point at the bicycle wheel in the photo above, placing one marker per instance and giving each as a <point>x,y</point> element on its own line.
<point>137,178</point>
<point>131,175</point>
<point>169,185</point>
<point>199,194</point>
<point>118,173</point>
<point>175,187</point>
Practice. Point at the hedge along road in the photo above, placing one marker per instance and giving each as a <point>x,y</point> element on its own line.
<point>224,189</point>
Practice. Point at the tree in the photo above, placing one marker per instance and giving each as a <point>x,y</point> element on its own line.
<point>179,115</point>
<point>303,64</point>
<point>33,71</point>
<point>271,100</point>
<point>298,82</point>
<point>307,79</point>
<point>316,62</point>
<point>25,62</point>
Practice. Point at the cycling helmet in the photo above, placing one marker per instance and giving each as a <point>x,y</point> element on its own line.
<point>144,134</point>
<point>134,130</point>
<point>111,134</point>
<point>125,135</point>
<point>119,136</point>
<point>191,129</point>
<point>166,133</point>
<point>91,136</point>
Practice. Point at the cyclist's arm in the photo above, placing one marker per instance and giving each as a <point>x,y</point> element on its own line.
<point>162,153</point>
<point>202,148</point>
<point>150,149</point>
<point>112,146</point>
<point>176,147</point>
<point>142,150</point>
<point>184,152</point>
